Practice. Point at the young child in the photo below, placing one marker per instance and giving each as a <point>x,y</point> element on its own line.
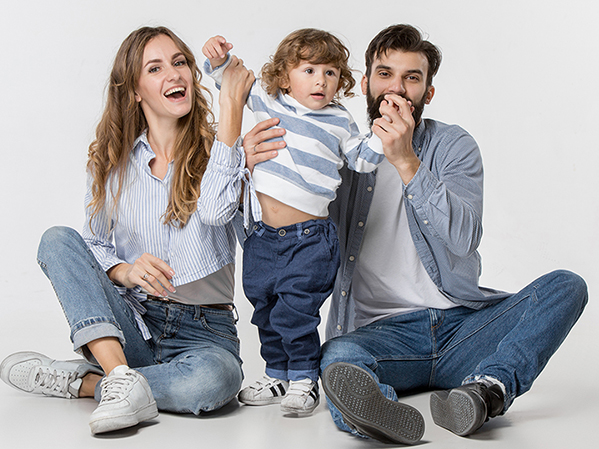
<point>291,259</point>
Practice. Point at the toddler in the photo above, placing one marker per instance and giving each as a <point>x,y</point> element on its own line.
<point>291,258</point>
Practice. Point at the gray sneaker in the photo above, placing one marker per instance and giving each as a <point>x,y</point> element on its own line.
<point>35,373</point>
<point>364,407</point>
<point>126,401</point>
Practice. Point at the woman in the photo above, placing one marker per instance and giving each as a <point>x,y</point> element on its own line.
<point>147,289</point>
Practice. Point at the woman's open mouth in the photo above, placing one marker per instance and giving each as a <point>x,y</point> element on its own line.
<point>176,93</point>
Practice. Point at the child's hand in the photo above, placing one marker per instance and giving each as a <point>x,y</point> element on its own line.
<point>216,49</point>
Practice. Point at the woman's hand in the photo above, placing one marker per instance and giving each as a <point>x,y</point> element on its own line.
<point>149,272</point>
<point>237,81</point>
<point>255,145</point>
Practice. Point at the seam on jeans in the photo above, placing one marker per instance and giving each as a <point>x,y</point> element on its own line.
<point>433,337</point>
<point>473,333</point>
<point>233,338</point>
<point>44,268</point>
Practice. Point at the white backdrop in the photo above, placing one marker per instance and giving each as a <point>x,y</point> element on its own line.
<point>520,76</point>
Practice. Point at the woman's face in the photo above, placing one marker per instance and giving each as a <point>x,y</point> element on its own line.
<point>165,86</point>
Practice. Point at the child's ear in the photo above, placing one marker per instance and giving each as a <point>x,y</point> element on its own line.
<point>284,84</point>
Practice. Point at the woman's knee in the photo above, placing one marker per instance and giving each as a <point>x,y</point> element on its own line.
<point>206,383</point>
<point>55,240</point>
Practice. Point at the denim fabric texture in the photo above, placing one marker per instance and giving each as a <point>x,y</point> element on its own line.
<point>288,273</point>
<point>510,341</point>
<point>192,361</point>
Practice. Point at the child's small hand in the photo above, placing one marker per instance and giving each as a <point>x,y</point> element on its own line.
<point>216,49</point>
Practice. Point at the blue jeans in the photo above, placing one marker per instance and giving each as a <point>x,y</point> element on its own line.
<point>510,341</point>
<point>192,360</point>
<point>288,273</point>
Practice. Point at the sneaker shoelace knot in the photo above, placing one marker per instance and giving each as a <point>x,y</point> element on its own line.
<point>116,388</point>
<point>53,382</point>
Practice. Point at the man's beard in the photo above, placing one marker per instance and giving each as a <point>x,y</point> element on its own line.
<point>373,105</point>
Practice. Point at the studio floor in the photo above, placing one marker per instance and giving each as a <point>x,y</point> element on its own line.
<point>560,411</point>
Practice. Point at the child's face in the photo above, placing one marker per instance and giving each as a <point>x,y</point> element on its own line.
<point>313,85</point>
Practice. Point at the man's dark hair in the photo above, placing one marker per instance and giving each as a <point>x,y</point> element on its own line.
<point>403,38</point>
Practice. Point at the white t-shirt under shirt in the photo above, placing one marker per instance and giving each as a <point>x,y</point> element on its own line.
<point>389,278</point>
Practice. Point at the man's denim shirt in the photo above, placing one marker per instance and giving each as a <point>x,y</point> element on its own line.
<point>444,204</point>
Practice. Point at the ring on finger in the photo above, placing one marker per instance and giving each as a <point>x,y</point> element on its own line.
<point>255,147</point>
<point>145,276</point>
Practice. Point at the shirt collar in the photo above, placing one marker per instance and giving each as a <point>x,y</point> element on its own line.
<point>295,106</point>
<point>143,153</point>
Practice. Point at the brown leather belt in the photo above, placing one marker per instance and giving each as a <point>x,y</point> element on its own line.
<point>227,307</point>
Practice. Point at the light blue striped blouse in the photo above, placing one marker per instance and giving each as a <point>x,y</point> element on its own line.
<point>137,227</point>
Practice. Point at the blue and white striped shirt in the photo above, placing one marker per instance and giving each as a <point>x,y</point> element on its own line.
<point>305,175</point>
<point>137,227</point>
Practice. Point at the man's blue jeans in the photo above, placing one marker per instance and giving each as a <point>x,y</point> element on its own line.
<point>287,275</point>
<point>510,341</point>
<point>192,360</point>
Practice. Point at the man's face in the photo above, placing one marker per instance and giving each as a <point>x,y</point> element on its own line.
<point>401,73</point>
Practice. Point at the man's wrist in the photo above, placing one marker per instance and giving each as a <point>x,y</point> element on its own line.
<point>407,168</point>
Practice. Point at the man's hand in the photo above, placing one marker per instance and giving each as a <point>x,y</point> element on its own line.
<point>216,49</point>
<point>396,128</point>
<point>256,149</point>
<point>149,272</point>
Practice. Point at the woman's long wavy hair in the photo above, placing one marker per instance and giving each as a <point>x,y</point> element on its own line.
<point>123,121</point>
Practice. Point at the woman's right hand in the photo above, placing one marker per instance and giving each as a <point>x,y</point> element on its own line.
<point>255,145</point>
<point>237,81</point>
<point>148,272</point>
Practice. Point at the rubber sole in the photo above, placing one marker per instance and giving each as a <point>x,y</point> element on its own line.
<point>459,411</point>
<point>300,412</point>
<point>111,423</point>
<point>364,407</point>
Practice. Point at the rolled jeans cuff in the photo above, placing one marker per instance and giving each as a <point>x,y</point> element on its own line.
<point>87,332</point>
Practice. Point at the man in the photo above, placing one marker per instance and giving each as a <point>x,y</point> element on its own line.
<point>407,313</point>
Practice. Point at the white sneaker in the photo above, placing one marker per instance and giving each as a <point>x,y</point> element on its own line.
<point>126,401</point>
<point>301,398</point>
<point>265,391</point>
<point>35,373</point>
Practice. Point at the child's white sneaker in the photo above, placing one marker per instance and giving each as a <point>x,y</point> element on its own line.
<point>302,397</point>
<point>265,391</point>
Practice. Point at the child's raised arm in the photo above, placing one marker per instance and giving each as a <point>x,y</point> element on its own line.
<point>216,49</point>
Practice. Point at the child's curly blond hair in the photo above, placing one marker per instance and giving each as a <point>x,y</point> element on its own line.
<point>314,46</point>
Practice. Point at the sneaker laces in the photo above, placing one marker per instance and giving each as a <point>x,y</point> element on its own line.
<point>53,382</point>
<point>115,388</point>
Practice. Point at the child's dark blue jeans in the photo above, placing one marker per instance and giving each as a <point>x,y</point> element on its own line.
<point>288,273</point>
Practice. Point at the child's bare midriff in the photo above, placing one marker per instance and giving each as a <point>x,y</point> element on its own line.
<point>276,214</point>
